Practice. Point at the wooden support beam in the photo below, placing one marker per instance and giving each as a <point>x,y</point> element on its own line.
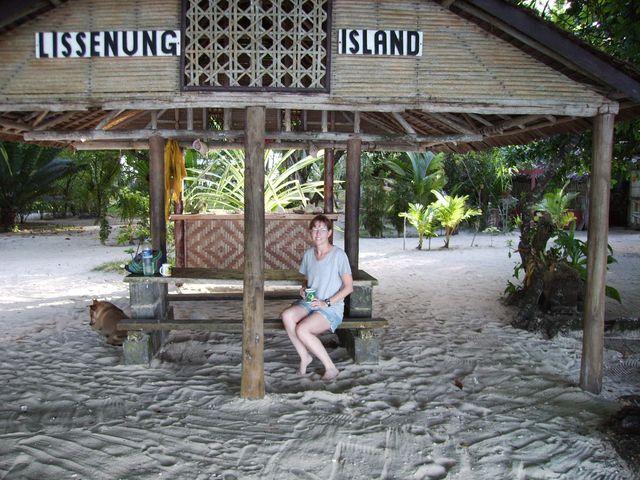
<point>55,121</point>
<point>10,124</point>
<point>406,125</point>
<point>325,127</point>
<point>156,195</point>
<point>481,119</point>
<point>356,122</point>
<point>176,118</point>
<point>41,116</point>
<point>154,120</point>
<point>287,120</point>
<point>205,119</point>
<point>597,238</point>
<point>519,122</point>
<point>304,120</point>
<point>329,160</point>
<point>451,122</point>
<point>189,118</point>
<point>226,119</point>
<point>92,135</point>
<point>352,203</point>
<point>252,385</point>
<point>110,116</point>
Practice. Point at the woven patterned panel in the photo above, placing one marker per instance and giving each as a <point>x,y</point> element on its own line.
<point>220,243</point>
<point>262,45</point>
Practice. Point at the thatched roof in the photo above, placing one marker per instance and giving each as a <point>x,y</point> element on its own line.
<point>324,121</point>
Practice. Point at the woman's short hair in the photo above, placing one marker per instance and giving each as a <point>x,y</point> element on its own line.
<point>320,219</point>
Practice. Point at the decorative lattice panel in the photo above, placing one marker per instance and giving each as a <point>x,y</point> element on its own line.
<point>256,45</point>
<point>220,243</point>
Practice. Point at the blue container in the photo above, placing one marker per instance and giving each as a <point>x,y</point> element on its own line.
<point>148,267</point>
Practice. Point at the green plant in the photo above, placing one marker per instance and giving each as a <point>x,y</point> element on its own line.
<point>556,204</point>
<point>27,173</point>
<point>572,251</point>
<point>374,196</point>
<point>220,183</point>
<point>105,229</point>
<point>493,231</point>
<point>423,219</point>
<point>450,211</point>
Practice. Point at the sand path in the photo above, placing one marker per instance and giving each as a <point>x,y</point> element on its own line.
<point>68,409</point>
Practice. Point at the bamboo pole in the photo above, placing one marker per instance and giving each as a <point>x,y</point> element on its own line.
<point>329,159</point>
<point>352,204</point>
<point>593,335</point>
<point>156,195</point>
<point>254,225</point>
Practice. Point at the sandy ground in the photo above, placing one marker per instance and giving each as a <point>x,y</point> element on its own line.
<point>69,409</point>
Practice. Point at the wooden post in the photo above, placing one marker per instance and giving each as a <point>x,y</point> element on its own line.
<point>329,159</point>
<point>253,299</point>
<point>156,195</point>
<point>179,234</point>
<point>352,203</point>
<point>593,321</point>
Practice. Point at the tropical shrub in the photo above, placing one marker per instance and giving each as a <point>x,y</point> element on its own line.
<point>27,173</point>
<point>450,211</point>
<point>373,203</point>
<point>412,178</point>
<point>218,184</point>
<point>423,220</point>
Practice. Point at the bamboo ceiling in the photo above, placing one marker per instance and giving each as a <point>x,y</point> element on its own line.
<point>468,95</point>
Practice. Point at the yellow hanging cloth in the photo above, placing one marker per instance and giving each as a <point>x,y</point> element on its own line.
<point>174,172</point>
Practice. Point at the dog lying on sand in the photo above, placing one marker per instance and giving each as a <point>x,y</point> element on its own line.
<point>104,319</point>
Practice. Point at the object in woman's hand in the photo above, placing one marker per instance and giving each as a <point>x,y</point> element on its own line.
<point>309,294</point>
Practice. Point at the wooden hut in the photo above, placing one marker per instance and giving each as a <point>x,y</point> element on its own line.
<point>446,75</point>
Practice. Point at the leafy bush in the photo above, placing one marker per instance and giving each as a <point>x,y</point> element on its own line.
<point>423,219</point>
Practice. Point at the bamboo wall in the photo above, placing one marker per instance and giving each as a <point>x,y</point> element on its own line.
<point>460,62</point>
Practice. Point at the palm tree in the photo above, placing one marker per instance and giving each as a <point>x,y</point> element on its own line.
<point>220,183</point>
<point>414,176</point>
<point>423,219</point>
<point>451,211</point>
<point>27,172</point>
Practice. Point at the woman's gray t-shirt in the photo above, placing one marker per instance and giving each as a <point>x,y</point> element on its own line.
<point>326,275</point>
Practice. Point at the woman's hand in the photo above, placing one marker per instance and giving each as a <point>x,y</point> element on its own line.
<point>317,303</point>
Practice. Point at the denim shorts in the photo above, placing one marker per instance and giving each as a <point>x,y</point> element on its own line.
<point>329,313</point>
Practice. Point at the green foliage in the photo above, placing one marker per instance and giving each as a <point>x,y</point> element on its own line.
<point>556,204</point>
<point>451,210</point>
<point>105,229</point>
<point>219,183</point>
<point>27,174</point>
<point>486,177</point>
<point>423,219</point>
<point>410,179</point>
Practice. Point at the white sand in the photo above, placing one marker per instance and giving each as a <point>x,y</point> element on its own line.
<point>68,409</point>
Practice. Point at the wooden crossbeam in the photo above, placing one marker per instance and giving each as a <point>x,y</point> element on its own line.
<point>92,135</point>
<point>235,325</point>
<point>55,121</point>
<point>452,122</point>
<point>406,125</point>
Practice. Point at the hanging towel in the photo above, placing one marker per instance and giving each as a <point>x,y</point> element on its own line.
<point>174,172</point>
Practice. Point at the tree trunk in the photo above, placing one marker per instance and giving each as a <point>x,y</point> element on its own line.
<point>7,218</point>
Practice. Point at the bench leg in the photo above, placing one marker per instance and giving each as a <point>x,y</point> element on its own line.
<point>361,344</point>
<point>148,300</point>
<point>141,347</point>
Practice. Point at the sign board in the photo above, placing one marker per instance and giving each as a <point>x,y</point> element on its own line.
<point>363,41</point>
<point>115,43</point>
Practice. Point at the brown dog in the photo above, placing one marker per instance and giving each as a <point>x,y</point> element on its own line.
<point>104,319</point>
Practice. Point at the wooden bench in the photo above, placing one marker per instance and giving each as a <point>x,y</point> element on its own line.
<point>152,317</point>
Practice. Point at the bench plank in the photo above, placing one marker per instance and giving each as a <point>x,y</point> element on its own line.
<point>234,326</point>
<point>209,275</point>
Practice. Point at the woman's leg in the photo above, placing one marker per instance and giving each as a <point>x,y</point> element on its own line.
<point>307,331</point>
<point>290,318</point>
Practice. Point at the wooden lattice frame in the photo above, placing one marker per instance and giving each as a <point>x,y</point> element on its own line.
<point>256,45</point>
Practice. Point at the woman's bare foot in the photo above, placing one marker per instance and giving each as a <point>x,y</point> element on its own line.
<point>304,363</point>
<point>330,374</point>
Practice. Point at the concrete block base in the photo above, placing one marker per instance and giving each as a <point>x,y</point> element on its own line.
<point>362,345</point>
